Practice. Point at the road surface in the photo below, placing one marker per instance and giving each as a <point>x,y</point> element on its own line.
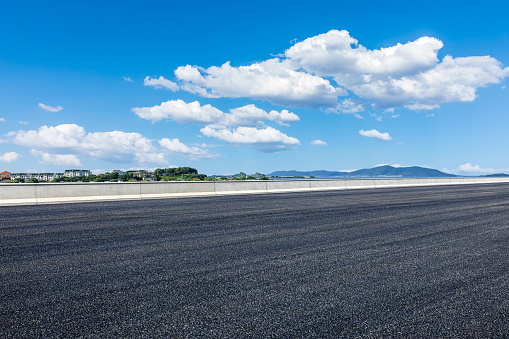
<point>398,262</point>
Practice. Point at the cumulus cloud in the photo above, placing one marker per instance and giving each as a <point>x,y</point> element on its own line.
<point>453,80</point>
<point>469,169</point>
<point>194,113</point>
<point>318,143</point>
<point>67,144</point>
<point>267,139</point>
<point>409,75</point>
<point>238,127</point>
<point>180,111</point>
<point>375,135</point>
<point>57,159</point>
<point>175,146</point>
<point>332,54</point>
<point>161,82</point>
<point>274,80</point>
<point>10,157</point>
<point>50,109</point>
<point>71,142</point>
<point>406,75</point>
<point>250,115</point>
<point>2,120</point>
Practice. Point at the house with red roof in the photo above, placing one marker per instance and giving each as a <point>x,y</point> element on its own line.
<point>5,175</point>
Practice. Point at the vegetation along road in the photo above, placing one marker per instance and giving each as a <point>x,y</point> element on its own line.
<point>398,262</point>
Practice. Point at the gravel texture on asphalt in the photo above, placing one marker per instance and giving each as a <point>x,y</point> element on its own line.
<point>399,262</point>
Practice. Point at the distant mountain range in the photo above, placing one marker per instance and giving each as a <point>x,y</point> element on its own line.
<point>379,171</point>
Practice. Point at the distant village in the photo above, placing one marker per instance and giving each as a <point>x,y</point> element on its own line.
<point>164,174</point>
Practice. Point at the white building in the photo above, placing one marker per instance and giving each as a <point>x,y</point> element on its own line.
<point>38,176</point>
<point>50,176</point>
<point>76,173</point>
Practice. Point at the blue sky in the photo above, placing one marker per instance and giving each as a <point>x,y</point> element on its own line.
<point>254,85</point>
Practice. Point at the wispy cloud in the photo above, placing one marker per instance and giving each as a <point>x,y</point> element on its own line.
<point>193,152</point>
<point>50,108</point>
<point>128,79</point>
<point>2,120</point>
<point>375,135</point>
<point>318,143</point>
<point>161,82</point>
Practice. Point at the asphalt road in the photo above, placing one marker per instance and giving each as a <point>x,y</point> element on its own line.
<point>399,262</point>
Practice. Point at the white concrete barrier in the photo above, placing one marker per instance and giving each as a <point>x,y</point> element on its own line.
<point>167,189</point>
<point>279,186</point>
<point>323,185</point>
<point>360,183</point>
<point>17,194</point>
<point>240,187</point>
<point>47,193</point>
<point>86,191</point>
<point>386,183</point>
<point>442,181</point>
<point>408,182</point>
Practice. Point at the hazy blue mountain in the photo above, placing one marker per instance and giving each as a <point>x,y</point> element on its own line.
<point>379,171</point>
<point>495,175</point>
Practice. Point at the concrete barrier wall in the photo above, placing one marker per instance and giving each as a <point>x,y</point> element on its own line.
<point>47,193</point>
<point>276,186</point>
<point>322,185</point>
<point>23,194</point>
<point>240,187</point>
<point>153,190</point>
<point>76,192</point>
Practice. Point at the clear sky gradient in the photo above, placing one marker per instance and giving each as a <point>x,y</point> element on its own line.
<point>254,85</point>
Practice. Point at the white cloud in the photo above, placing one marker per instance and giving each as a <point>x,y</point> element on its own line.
<point>161,82</point>
<point>180,111</point>
<point>417,107</point>
<point>375,135</point>
<point>267,139</point>
<point>23,122</point>
<point>404,75</point>
<point>50,109</point>
<point>71,139</point>
<point>331,54</point>
<point>57,159</point>
<point>376,116</point>
<point>318,143</point>
<point>128,79</point>
<point>2,120</point>
<point>469,169</point>
<point>274,80</point>
<point>452,80</point>
<point>175,146</point>
<point>348,106</point>
<point>250,115</point>
<point>194,113</point>
<point>408,74</point>
<point>10,157</point>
